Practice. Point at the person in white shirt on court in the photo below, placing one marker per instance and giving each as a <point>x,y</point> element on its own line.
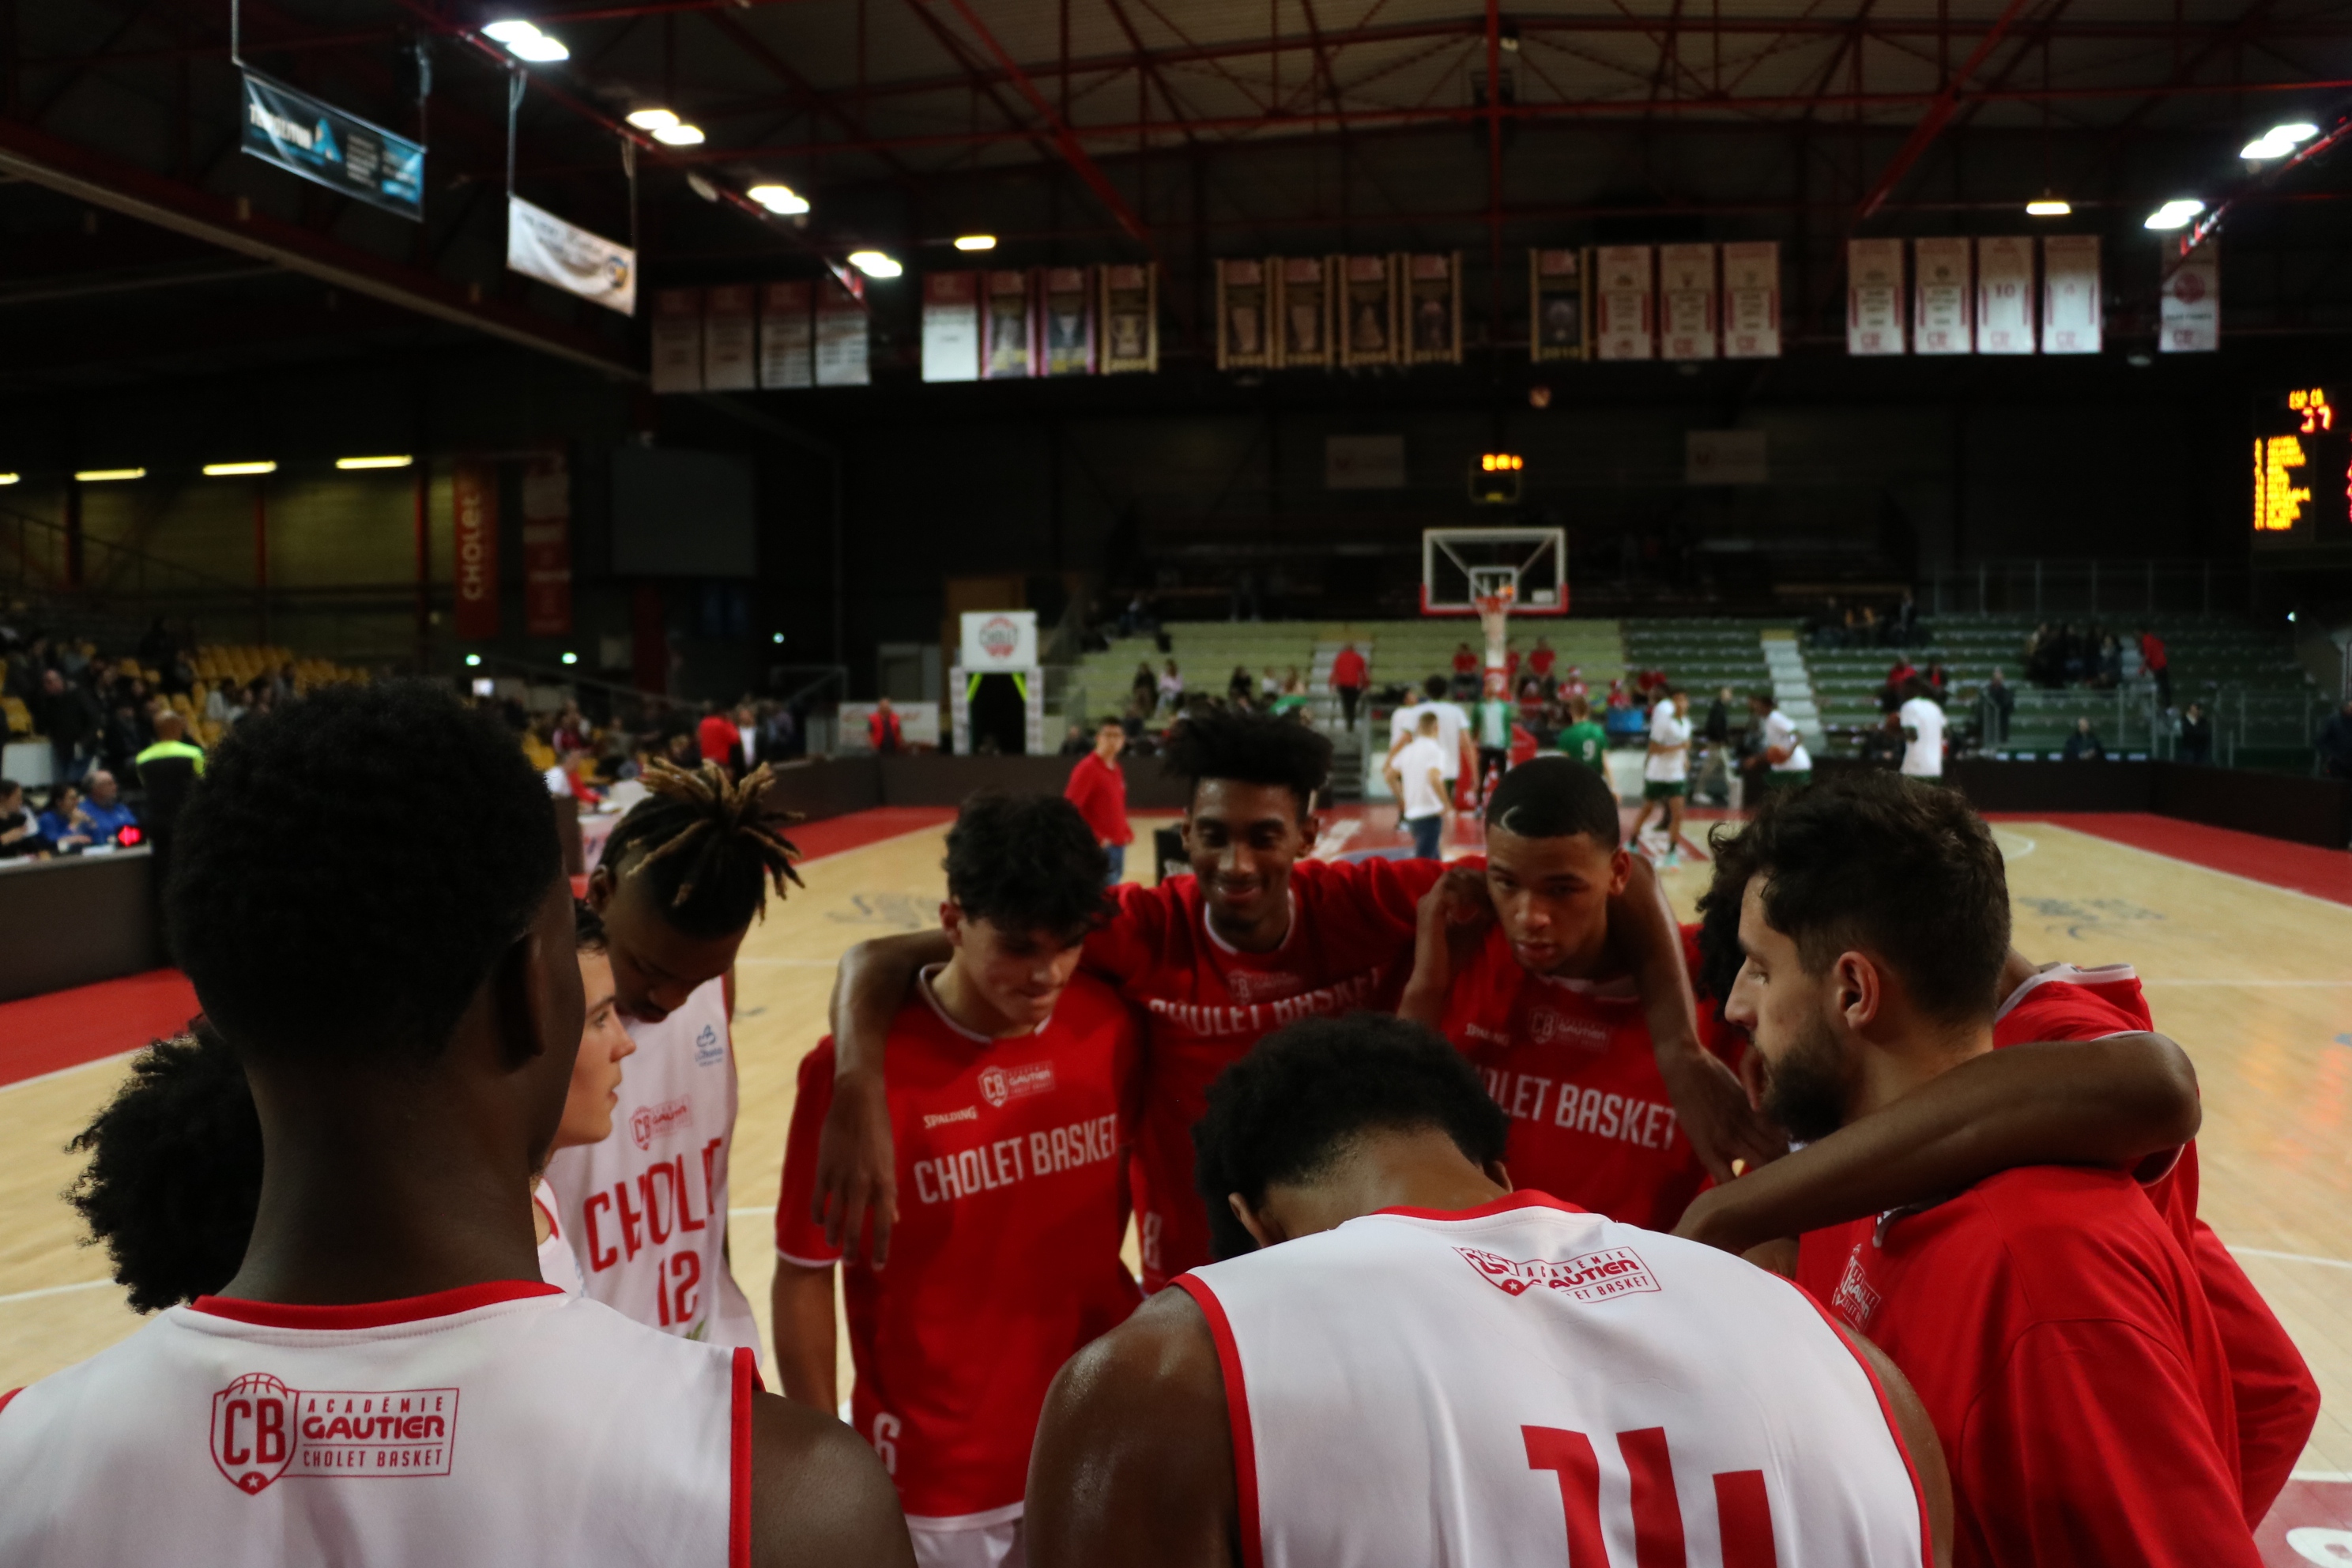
<point>1923,729</point>
<point>370,905</point>
<point>1401,1360</point>
<point>1782,761</point>
<point>1665,775</point>
<point>1417,778</point>
<point>1453,731</point>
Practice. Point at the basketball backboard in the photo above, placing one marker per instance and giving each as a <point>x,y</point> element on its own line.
<point>1459,564</point>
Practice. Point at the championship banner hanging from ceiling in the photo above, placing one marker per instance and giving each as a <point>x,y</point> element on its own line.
<point>351,156</point>
<point>2005,295</point>
<point>1431,308</point>
<point>1941,296</point>
<point>1556,304</point>
<point>540,244</point>
<point>1367,310</point>
<point>1005,325</point>
<point>842,350</point>
<point>1066,320</point>
<point>1130,317</point>
<point>1687,301</point>
<point>1240,315</point>
<point>1624,294</point>
<point>474,548</point>
<point>1873,297</point>
<point>730,339</point>
<point>678,340</point>
<point>787,334</point>
<point>2190,304</point>
<point>952,326</point>
<point>1302,303</point>
<point>2070,304</point>
<point>1751,299</point>
<point>547,545</point>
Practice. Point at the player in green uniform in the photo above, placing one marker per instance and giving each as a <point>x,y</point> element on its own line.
<point>1583,740</point>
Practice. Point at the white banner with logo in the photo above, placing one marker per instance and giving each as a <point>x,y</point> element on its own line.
<point>1000,639</point>
<point>2190,313</point>
<point>1873,297</point>
<point>540,244</point>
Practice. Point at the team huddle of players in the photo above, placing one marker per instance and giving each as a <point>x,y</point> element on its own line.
<point>1450,1169</point>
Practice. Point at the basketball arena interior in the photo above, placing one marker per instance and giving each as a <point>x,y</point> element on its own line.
<point>899,403</point>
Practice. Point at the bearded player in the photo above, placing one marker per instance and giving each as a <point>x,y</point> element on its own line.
<point>2048,1317</point>
<point>679,882</point>
<point>1534,991</point>
<point>1006,1075</point>
<point>370,903</point>
<point>1258,935</point>
<point>1409,1364</point>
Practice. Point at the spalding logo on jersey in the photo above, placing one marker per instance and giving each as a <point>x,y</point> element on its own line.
<point>709,1050</point>
<point>261,1428</point>
<point>1590,1277</point>
<point>998,1085</point>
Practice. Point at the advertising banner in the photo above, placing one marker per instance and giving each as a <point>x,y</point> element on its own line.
<point>787,333</point>
<point>1941,296</point>
<point>1623,290</point>
<point>540,244</point>
<point>1686,301</point>
<point>351,156</point>
<point>952,326</point>
<point>1873,297</point>
<point>474,548</point>
<point>547,545</point>
<point>1751,299</point>
<point>2005,295</point>
<point>2071,305</point>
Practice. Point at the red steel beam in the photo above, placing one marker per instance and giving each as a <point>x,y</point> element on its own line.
<point>1066,141</point>
<point>1939,110</point>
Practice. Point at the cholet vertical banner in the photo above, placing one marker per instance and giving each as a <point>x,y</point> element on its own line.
<point>547,545</point>
<point>474,553</point>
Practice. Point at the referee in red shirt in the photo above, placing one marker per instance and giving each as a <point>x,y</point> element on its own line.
<point>1098,789</point>
<point>2047,1316</point>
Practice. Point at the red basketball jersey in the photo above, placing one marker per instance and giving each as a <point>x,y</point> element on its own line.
<point>1012,1209</point>
<point>1572,1064</point>
<point>1206,1003</point>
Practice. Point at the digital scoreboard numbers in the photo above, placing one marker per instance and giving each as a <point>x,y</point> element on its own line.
<point>2303,469</point>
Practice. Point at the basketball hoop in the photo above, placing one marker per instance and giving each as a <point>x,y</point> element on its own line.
<point>1493,604</point>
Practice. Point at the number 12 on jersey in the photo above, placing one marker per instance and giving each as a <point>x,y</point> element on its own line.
<point>1743,1510</point>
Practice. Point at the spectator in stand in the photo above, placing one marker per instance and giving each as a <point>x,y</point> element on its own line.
<point>1899,677</point>
<point>104,810</point>
<point>1146,685</point>
<point>20,834</point>
<point>1269,685</point>
<point>2083,745</point>
<point>2336,743</point>
<point>1239,689</point>
<point>1138,709</point>
<point>63,713</point>
<point>155,646</point>
<point>717,740</point>
<point>124,736</point>
<point>747,732</point>
<point>1540,664</point>
<point>1921,722</point>
<point>1075,742</point>
<point>62,822</point>
<point>882,728</point>
<point>2196,736</point>
<point>1171,688</point>
<point>1465,664</point>
<point>1348,676</point>
<point>1574,687</point>
<point>1999,702</point>
<point>1903,626</point>
<point>1097,787</point>
<point>2158,665</point>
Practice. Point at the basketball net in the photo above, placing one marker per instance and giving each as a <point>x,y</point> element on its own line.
<point>1494,619</point>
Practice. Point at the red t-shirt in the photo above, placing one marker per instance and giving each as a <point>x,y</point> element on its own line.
<point>716,737</point>
<point>2062,1347</point>
<point>1346,669</point>
<point>2277,1398</point>
<point>2151,652</point>
<point>1098,789</point>
<point>1572,1065</point>
<point>1005,1262</point>
<point>1466,663</point>
<point>1542,661</point>
<point>1206,1003</point>
<point>882,731</point>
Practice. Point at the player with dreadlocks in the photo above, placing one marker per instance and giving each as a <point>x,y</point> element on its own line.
<point>681,881</point>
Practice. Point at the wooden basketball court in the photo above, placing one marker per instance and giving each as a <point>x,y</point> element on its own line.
<point>2250,977</point>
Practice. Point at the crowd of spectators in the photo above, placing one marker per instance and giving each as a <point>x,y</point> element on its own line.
<point>2084,654</point>
<point>600,762</point>
<point>1862,624</point>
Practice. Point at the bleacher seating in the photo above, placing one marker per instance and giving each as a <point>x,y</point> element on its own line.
<point>1702,654</point>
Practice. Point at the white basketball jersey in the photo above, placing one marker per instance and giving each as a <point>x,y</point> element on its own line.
<point>557,1265</point>
<point>505,1422</point>
<point>1524,1379</point>
<point>646,1210</point>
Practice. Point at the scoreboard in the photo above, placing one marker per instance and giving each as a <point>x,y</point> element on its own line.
<point>2303,469</point>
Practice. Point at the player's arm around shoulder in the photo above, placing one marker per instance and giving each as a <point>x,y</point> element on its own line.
<point>1133,1462</point>
<point>819,1497</point>
<point>1907,1414</point>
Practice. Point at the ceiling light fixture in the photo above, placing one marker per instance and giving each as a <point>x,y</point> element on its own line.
<point>2278,142</point>
<point>680,135</point>
<point>2048,207</point>
<point>524,41</point>
<point>13,478</point>
<point>975,242</point>
<point>373,462</point>
<point>224,470</point>
<point>781,199</point>
<point>2175,213</point>
<point>653,118</point>
<point>874,264</point>
<point>100,476</point>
